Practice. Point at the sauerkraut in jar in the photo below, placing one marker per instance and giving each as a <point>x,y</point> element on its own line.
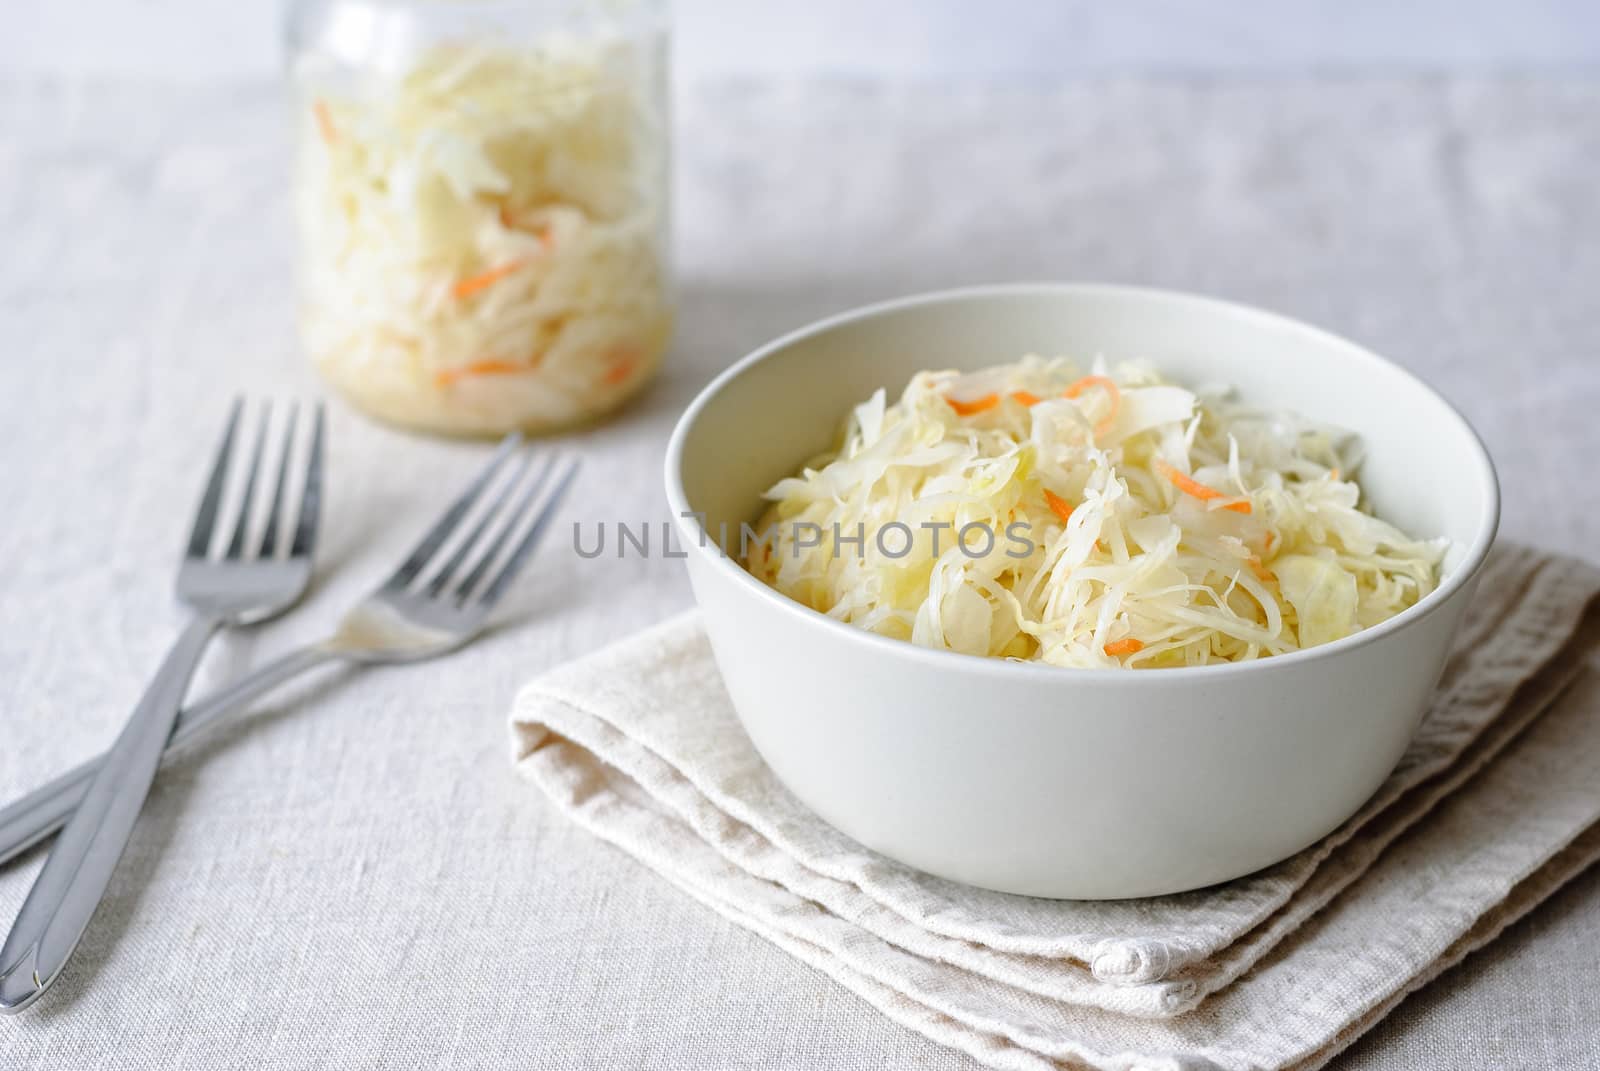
<point>481,203</point>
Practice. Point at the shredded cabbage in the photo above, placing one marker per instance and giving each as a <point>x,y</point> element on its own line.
<point>1027,512</point>
<point>482,233</point>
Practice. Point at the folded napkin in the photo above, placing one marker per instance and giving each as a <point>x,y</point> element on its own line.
<point>1283,968</point>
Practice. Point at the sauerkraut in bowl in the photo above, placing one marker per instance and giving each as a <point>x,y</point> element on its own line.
<point>1013,773</point>
<point>1091,517</point>
<point>482,229</point>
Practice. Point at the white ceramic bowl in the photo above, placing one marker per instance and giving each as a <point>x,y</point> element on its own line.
<point>1063,782</point>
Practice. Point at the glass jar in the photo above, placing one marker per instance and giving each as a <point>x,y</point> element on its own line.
<point>481,204</point>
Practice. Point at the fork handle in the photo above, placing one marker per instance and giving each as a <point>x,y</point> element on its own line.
<point>69,888</point>
<point>46,809</point>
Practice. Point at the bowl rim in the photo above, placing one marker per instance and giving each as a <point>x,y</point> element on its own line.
<point>696,540</point>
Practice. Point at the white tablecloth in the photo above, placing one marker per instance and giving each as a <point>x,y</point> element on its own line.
<point>355,878</point>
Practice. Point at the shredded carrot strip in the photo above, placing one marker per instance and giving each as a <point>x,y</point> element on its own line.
<point>541,231</point>
<point>465,288</point>
<point>1190,486</point>
<point>1263,574</point>
<point>325,127</point>
<point>1058,505</point>
<point>977,405</point>
<point>1272,537</point>
<point>1103,382</point>
<point>1333,474</point>
<point>620,364</point>
<point>491,367</point>
<point>1126,645</point>
<point>1025,397</point>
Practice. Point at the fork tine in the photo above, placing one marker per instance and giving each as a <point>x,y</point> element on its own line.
<point>206,518</point>
<point>242,525</point>
<point>519,557</point>
<point>446,524</point>
<point>269,538</point>
<point>441,579</point>
<point>487,559</point>
<point>305,526</point>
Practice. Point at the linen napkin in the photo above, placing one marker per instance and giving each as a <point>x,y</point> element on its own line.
<point>1279,969</point>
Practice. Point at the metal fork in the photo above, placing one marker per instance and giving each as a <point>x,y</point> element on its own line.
<point>228,590</point>
<point>412,615</point>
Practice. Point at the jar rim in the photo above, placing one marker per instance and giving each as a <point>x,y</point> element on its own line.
<point>355,31</point>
